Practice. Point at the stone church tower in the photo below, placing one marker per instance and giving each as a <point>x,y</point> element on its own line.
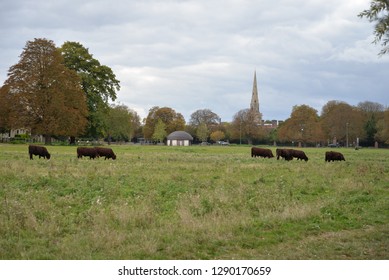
<point>254,105</point>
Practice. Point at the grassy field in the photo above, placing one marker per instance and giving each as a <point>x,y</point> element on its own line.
<point>157,202</point>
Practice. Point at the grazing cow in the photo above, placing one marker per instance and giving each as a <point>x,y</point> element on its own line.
<point>38,151</point>
<point>332,156</point>
<point>299,154</point>
<point>284,153</point>
<point>87,152</point>
<point>105,152</point>
<point>260,152</point>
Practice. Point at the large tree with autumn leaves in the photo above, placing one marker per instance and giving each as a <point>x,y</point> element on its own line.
<point>302,127</point>
<point>42,94</point>
<point>171,119</point>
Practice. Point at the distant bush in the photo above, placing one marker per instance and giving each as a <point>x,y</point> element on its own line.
<point>20,139</point>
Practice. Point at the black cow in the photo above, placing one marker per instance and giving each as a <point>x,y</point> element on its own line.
<point>332,156</point>
<point>38,151</point>
<point>87,152</point>
<point>284,153</point>
<point>261,152</point>
<point>105,152</point>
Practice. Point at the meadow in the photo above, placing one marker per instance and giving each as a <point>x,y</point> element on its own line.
<point>197,202</point>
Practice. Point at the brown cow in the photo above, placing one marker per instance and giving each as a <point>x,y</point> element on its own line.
<point>332,156</point>
<point>87,152</point>
<point>261,152</point>
<point>284,153</point>
<point>299,154</point>
<point>38,151</point>
<point>105,152</point>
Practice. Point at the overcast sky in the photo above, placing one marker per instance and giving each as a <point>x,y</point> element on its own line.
<point>191,55</point>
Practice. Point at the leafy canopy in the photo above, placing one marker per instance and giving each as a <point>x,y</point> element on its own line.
<point>379,13</point>
<point>173,121</point>
<point>42,94</point>
<point>98,82</point>
<point>122,123</point>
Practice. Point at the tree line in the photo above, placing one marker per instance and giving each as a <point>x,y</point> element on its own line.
<point>338,123</point>
<point>61,92</point>
<point>66,93</point>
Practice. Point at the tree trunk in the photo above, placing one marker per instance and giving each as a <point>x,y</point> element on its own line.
<point>72,140</point>
<point>47,139</point>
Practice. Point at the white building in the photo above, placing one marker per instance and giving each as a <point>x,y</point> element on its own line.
<point>179,138</point>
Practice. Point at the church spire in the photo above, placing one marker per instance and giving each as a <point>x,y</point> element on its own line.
<point>254,105</point>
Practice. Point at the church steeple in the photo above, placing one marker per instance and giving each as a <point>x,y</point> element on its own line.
<point>254,105</point>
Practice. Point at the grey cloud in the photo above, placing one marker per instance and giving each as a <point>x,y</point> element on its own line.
<point>190,55</point>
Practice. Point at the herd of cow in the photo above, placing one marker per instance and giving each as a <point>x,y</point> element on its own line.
<point>289,154</point>
<point>91,152</point>
<point>95,152</point>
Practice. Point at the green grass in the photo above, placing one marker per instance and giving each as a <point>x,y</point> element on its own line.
<point>157,202</point>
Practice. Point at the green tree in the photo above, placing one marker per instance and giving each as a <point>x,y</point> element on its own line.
<point>371,130</point>
<point>379,13</point>
<point>159,131</point>
<point>98,82</point>
<point>373,112</point>
<point>122,123</point>
<point>202,132</point>
<point>272,136</point>
<point>43,94</point>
